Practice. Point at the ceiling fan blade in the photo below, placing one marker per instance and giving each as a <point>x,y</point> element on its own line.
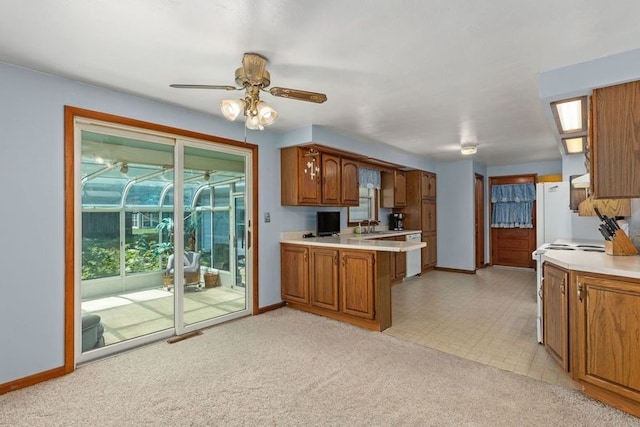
<point>181,86</point>
<point>300,95</point>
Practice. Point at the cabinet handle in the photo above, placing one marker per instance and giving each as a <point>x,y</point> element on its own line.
<point>562,287</point>
<point>580,288</point>
<point>335,260</point>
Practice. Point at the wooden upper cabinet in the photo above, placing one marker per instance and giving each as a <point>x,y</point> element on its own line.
<point>615,141</point>
<point>299,177</point>
<point>394,189</point>
<point>350,183</point>
<point>428,185</point>
<point>331,179</point>
<point>310,177</point>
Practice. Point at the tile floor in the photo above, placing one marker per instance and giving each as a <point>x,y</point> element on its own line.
<point>489,317</point>
<point>135,314</point>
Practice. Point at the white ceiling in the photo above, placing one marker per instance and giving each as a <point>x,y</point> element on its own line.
<point>420,75</point>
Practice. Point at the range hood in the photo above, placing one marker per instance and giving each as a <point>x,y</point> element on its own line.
<point>583,181</point>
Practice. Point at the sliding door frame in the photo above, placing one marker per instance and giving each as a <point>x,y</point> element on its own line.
<point>71,115</point>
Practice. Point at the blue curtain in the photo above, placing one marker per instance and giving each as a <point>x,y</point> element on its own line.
<point>369,178</point>
<point>513,205</point>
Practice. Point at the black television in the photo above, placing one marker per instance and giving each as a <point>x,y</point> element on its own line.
<point>328,223</point>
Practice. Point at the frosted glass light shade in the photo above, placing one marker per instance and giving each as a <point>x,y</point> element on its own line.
<point>231,108</point>
<point>253,123</point>
<point>266,114</point>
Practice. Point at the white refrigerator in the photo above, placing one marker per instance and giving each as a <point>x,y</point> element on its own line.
<point>555,220</point>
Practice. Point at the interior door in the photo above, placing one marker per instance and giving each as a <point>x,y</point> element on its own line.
<point>479,217</point>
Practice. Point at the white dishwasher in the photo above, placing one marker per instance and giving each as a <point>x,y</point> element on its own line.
<point>414,262</point>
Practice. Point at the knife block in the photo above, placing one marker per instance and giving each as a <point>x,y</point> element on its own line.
<point>620,245</point>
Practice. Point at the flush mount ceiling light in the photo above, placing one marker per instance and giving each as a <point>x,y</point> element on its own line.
<point>574,145</point>
<point>253,77</point>
<point>468,149</point>
<point>571,119</point>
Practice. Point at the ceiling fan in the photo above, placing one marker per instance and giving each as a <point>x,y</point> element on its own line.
<point>253,77</point>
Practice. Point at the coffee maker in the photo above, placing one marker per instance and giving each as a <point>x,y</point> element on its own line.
<point>396,221</point>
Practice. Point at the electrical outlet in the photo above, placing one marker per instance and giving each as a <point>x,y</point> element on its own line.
<point>267,217</point>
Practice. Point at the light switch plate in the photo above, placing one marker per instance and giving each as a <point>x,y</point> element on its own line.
<point>267,217</point>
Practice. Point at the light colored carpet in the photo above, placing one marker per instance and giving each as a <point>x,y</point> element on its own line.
<point>287,368</point>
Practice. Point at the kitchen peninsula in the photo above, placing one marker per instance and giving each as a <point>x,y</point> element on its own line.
<point>344,277</point>
<point>597,305</point>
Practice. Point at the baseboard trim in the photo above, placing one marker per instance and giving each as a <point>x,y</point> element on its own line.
<point>455,270</point>
<point>272,307</point>
<point>32,380</point>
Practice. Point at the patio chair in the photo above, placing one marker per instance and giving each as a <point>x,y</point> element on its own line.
<point>191,262</point>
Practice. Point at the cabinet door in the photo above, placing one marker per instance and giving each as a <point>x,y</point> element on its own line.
<point>294,269</point>
<point>428,185</point>
<point>309,177</point>
<point>350,185</point>
<point>615,141</point>
<point>394,189</point>
<point>323,270</point>
<point>429,252</point>
<point>400,193</point>
<point>555,313</point>
<point>357,282</point>
<point>331,179</point>
<point>428,217</point>
<point>607,336</point>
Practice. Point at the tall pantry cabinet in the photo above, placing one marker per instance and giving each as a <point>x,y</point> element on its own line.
<point>421,213</point>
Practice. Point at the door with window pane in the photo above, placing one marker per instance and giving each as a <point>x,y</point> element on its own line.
<point>158,220</point>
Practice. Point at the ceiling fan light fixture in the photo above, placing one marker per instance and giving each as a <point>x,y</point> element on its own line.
<point>253,123</point>
<point>266,114</point>
<point>231,108</point>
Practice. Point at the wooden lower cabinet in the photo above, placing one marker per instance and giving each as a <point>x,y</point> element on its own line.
<point>605,338</point>
<point>349,285</point>
<point>555,313</point>
<point>323,278</point>
<point>294,260</point>
<point>356,283</point>
<point>429,252</point>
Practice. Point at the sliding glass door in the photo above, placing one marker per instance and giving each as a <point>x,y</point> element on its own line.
<point>162,236</point>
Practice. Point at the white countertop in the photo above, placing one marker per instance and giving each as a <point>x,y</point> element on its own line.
<point>367,242</point>
<point>595,262</point>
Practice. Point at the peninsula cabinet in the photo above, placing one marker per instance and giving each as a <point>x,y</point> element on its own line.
<point>348,285</point>
<point>615,141</point>
<point>398,266</point>
<point>295,277</point>
<point>555,313</point>
<point>309,177</point>
<point>605,340</point>
<point>323,278</point>
<point>394,189</point>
